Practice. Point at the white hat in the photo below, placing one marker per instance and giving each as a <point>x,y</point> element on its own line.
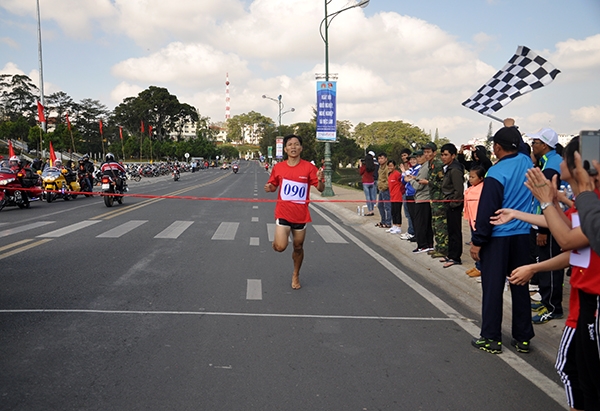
<point>371,153</point>
<point>547,136</point>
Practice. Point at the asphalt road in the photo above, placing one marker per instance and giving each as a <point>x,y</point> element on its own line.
<point>180,303</point>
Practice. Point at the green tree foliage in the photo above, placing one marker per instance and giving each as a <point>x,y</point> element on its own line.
<point>18,98</point>
<point>229,152</point>
<point>251,122</point>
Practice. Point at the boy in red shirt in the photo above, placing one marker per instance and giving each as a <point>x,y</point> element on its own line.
<point>396,191</point>
<point>294,177</point>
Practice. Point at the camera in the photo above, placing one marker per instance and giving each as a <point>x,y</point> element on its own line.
<point>589,148</point>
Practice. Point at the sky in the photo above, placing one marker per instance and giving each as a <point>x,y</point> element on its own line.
<point>414,61</point>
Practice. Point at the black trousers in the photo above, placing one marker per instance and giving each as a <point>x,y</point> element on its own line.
<point>422,224</point>
<point>551,282</point>
<point>397,212</point>
<point>455,238</point>
<point>499,257</point>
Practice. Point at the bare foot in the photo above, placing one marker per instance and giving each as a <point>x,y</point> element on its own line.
<point>296,282</point>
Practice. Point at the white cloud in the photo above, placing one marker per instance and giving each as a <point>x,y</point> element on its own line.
<point>586,115</point>
<point>11,68</point>
<point>124,90</point>
<point>578,54</point>
<point>9,42</point>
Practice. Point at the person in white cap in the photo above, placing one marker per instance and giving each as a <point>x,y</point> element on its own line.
<point>543,146</point>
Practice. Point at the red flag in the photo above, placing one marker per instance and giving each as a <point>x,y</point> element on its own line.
<point>11,152</point>
<point>52,155</point>
<point>150,130</point>
<point>121,132</point>
<point>41,112</point>
<point>142,121</point>
<point>101,131</point>
<point>68,122</point>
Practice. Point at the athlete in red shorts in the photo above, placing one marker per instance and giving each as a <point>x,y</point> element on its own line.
<point>294,177</point>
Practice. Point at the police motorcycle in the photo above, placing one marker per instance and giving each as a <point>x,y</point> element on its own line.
<point>176,173</point>
<point>18,187</point>
<point>59,182</point>
<point>111,189</point>
<point>235,168</point>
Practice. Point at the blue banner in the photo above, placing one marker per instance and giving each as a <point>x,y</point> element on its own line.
<point>326,107</point>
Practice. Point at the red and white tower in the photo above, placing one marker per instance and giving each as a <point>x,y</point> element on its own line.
<point>227,99</point>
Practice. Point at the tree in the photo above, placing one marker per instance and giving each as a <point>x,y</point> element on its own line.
<point>251,122</point>
<point>18,98</point>
<point>58,105</point>
<point>229,152</point>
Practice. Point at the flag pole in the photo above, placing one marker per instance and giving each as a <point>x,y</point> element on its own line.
<point>494,118</point>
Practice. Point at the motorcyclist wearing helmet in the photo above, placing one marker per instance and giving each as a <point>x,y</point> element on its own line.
<point>65,170</point>
<point>111,168</point>
<point>13,163</point>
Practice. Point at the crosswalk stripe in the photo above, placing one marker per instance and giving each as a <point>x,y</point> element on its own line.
<point>226,231</point>
<point>329,235</point>
<point>254,290</point>
<point>69,229</point>
<point>22,228</point>
<point>254,241</point>
<point>122,229</point>
<point>174,230</point>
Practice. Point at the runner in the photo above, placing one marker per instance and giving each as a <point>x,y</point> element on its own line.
<point>294,177</point>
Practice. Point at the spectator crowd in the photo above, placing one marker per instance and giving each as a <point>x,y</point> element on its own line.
<point>533,218</point>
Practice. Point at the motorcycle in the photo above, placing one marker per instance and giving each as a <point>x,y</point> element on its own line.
<point>235,168</point>
<point>55,184</point>
<point>17,189</point>
<point>176,174</point>
<point>109,188</point>
<point>84,182</point>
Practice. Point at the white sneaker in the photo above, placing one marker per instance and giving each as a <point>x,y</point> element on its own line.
<point>396,230</point>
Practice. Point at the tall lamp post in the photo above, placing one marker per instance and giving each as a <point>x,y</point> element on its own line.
<point>328,191</point>
<point>280,106</point>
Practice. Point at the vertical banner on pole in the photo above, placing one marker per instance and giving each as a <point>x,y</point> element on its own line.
<point>278,148</point>
<point>270,152</point>
<point>326,108</point>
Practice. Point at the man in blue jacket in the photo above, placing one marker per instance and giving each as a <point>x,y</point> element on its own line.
<point>503,248</point>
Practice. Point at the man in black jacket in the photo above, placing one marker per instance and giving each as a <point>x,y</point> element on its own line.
<point>453,189</point>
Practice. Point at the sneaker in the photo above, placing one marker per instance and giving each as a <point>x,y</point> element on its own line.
<point>405,236</point>
<point>543,316</point>
<point>537,306</point>
<point>521,346</point>
<point>487,345</point>
<point>420,250</point>
<point>536,297</point>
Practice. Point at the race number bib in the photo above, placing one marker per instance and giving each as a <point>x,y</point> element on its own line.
<point>294,191</point>
<point>579,258</point>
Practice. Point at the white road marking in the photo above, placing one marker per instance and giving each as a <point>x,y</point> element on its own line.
<point>255,219</point>
<point>122,229</point>
<point>226,231</point>
<point>174,230</point>
<point>255,207</point>
<point>329,235</point>
<point>254,290</point>
<point>22,228</point>
<point>69,229</point>
<point>254,241</point>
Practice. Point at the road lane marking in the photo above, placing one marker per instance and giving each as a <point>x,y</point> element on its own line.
<point>226,231</point>
<point>254,241</point>
<point>544,383</point>
<point>255,207</point>
<point>16,244</point>
<point>22,228</point>
<point>255,219</point>
<point>222,314</point>
<point>69,229</point>
<point>254,290</point>
<point>329,235</point>
<point>122,229</point>
<point>24,248</point>
<point>174,230</point>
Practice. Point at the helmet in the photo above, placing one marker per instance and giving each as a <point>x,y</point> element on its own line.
<point>109,157</point>
<point>14,158</point>
<point>85,157</point>
<point>57,163</point>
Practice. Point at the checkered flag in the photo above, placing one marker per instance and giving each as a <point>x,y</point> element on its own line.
<point>525,72</point>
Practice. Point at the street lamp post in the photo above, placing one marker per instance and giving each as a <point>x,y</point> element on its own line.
<point>280,105</point>
<point>328,191</point>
